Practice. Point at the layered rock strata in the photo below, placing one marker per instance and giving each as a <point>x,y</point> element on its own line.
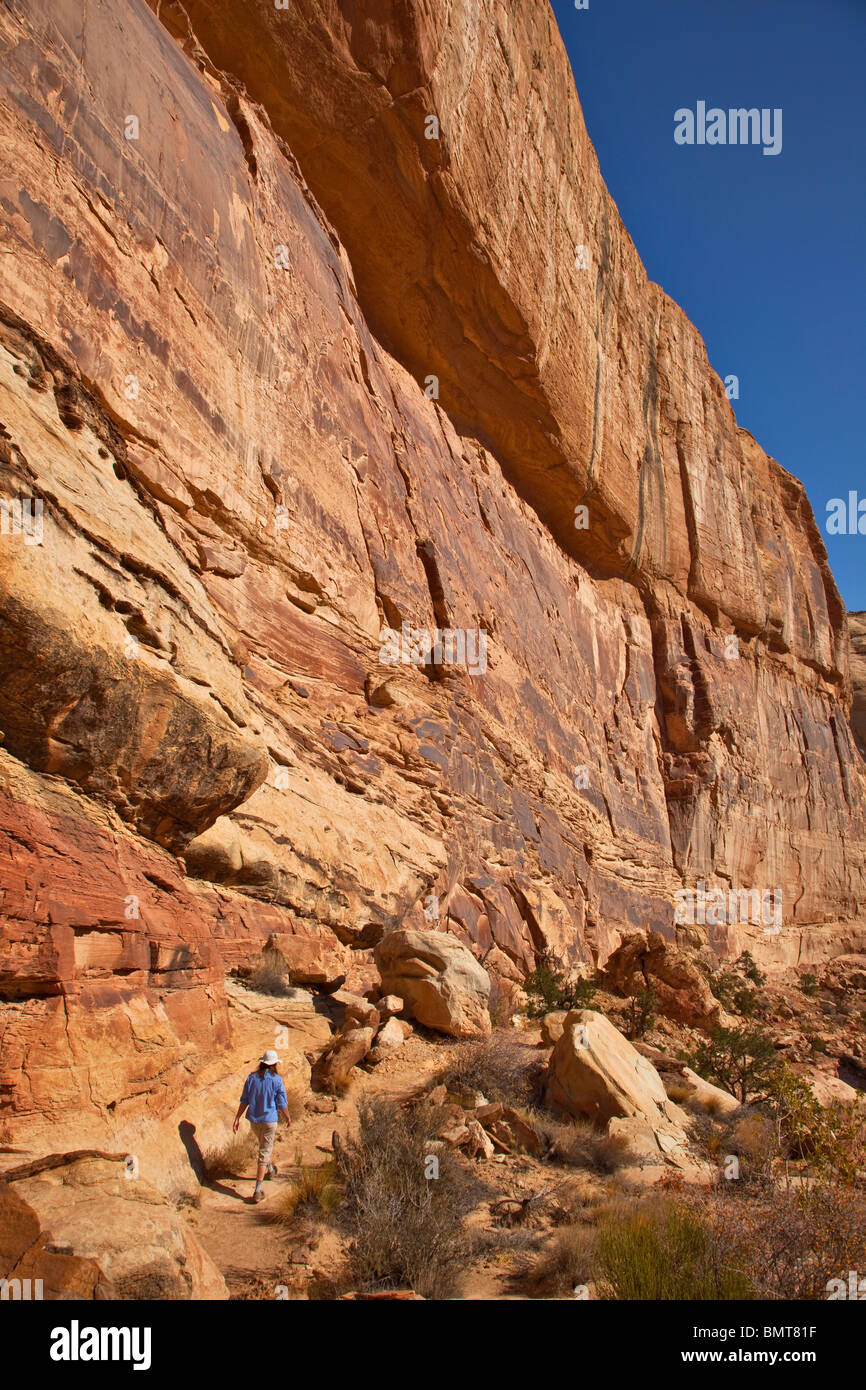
<point>279,372</point>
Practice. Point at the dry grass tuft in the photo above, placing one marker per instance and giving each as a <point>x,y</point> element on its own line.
<point>314,1192</point>
<point>231,1159</point>
<point>577,1144</point>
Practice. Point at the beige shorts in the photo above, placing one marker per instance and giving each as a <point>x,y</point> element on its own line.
<point>265,1134</point>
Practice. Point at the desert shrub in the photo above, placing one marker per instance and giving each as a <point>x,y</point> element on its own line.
<point>548,989</point>
<point>809,983</point>
<point>746,963</point>
<point>831,1138</point>
<point>231,1159</point>
<point>568,1259</point>
<point>406,1229</point>
<point>787,1240</point>
<point>730,986</point>
<point>266,978</point>
<point>740,1060</point>
<point>723,983</point>
<point>640,1014</point>
<point>663,1251</point>
<point>747,1002</point>
<point>499,1066</point>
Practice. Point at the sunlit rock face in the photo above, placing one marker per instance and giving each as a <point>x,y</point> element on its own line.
<point>393,557</point>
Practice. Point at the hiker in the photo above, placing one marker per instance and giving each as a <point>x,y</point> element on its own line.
<point>265,1095</point>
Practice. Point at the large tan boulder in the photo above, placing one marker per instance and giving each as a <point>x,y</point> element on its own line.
<point>89,1228</point>
<point>439,980</point>
<point>688,1086</point>
<point>308,960</point>
<point>595,1072</point>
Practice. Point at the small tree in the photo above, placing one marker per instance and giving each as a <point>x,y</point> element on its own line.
<point>640,1016</point>
<point>738,1059</point>
<point>548,990</point>
<point>746,962</point>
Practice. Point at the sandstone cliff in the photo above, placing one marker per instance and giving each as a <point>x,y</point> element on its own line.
<point>857,633</point>
<point>233,261</point>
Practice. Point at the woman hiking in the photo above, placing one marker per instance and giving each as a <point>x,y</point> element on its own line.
<point>264,1097</point>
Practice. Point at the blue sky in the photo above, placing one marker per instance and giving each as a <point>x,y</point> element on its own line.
<point>766,254</point>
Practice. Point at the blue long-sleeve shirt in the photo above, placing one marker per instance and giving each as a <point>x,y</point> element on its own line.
<point>264,1095</point>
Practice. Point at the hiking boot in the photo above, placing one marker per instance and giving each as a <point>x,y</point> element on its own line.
<point>271,1171</point>
<point>258,1196</point>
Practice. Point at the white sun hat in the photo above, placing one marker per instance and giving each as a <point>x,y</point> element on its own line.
<point>270,1058</point>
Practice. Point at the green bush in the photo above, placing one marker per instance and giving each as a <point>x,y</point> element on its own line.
<point>640,1015</point>
<point>746,963</point>
<point>663,1252</point>
<point>732,990</point>
<point>548,990</point>
<point>740,1060</point>
<point>831,1138</point>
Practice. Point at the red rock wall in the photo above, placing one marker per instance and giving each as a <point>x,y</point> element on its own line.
<point>243,481</point>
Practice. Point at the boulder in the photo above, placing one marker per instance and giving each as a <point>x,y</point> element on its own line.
<point>683,991</point>
<point>308,960</point>
<point>349,1047</point>
<point>388,1005</point>
<point>505,1125</point>
<point>479,1145</point>
<point>703,1093</point>
<point>466,1098</point>
<point>439,980</point>
<point>827,1088</point>
<point>357,1009</point>
<point>551,1027</point>
<point>88,1228</point>
<point>595,1072</point>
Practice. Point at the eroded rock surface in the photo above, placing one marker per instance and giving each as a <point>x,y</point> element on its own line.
<point>440,982</point>
<point>214,381</point>
<point>92,1228</point>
